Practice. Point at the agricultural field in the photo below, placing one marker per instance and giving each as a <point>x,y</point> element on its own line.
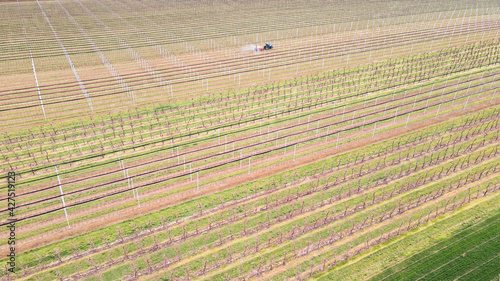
<point>148,140</point>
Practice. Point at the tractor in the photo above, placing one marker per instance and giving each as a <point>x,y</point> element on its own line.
<point>265,47</point>
<point>268,46</point>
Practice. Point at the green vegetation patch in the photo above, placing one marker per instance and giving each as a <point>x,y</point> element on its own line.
<point>462,247</point>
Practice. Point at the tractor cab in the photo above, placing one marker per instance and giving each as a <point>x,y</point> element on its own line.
<point>268,46</point>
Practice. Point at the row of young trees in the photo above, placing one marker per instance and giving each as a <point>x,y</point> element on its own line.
<point>352,187</point>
